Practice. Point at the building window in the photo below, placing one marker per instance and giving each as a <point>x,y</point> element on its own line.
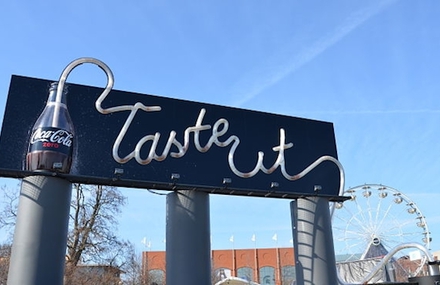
<point>156,277</point>
<point>245,273</point>
<point>220,274</point>
<point>267,275</point>
<point>288,275</point>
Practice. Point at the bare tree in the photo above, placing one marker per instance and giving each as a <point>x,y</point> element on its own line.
<point>8,209</point>
<point>132,269</point>
<point>8,214</point>
<point>93,224</point>
<point>95,254</point>
<point>5,253</point>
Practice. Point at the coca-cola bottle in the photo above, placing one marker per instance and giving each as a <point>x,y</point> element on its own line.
<point>51,142</point>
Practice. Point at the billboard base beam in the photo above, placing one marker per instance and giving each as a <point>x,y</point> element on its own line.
<point>40,237</point>
<point>188,246</point>
<point>315,261</point>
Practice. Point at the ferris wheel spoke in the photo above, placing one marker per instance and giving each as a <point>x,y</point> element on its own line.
<point>356,234</point>
<point>361,212</point>
<point>377,212</point>
<point>341,219</point>
<point>403,237</point>
<point>358,224</point>
<point>384,216</point>
<point>356,245</point>
<point>399,228</point>
<point>361,224</point>
<point>367,209</point>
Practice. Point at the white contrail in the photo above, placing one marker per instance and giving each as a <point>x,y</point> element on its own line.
<point>267,78</point>
<point>371,112</point>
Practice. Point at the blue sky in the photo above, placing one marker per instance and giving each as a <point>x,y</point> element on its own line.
<point>370,67</point>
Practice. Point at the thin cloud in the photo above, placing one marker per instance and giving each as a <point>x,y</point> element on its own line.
<point>370,112</point>
<point>266,78</point>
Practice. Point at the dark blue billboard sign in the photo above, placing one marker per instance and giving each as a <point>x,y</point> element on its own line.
<point>145,141</point>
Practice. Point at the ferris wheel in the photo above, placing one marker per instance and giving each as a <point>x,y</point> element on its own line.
<point>374,220</point>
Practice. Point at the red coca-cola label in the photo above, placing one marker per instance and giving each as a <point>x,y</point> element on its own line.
<point>53,139</point>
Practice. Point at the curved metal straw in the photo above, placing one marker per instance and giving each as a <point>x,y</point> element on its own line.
<point>70,67</point>
<point>433,269</point>
<point>319,161</point>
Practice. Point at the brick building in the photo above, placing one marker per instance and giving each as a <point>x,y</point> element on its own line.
<point>275,265</point>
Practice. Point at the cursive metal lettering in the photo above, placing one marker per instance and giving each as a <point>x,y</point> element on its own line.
<point>217,137</point>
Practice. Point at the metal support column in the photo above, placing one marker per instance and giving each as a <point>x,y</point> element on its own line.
<point>40,237</point>
<point>313,242</point>
<point>188,246</point>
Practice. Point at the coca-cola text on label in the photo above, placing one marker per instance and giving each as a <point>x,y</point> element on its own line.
<point>52,138</point>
